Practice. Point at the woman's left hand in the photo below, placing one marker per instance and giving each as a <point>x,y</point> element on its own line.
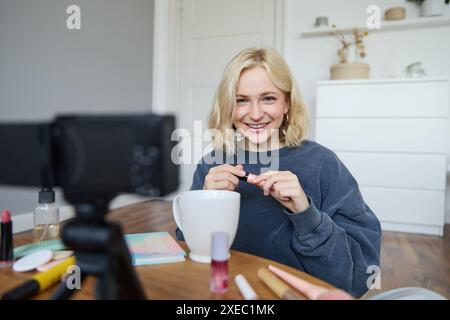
<point>283,186</point>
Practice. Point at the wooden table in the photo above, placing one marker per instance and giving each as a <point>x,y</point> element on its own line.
<point>182,280</point>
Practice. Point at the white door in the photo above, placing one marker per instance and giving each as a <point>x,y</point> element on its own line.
<point>212,33</point>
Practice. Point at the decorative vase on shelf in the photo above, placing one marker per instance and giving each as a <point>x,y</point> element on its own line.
<point>432,8</point>
<point>351,53</point>
<point>350,70</point>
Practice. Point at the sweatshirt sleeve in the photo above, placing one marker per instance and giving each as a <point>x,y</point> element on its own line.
<point>198,179</point>
<point>338,238</point>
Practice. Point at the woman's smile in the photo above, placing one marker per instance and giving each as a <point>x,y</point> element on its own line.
<point>257,127</point>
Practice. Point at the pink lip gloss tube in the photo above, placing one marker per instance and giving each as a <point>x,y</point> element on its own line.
<point>219,263</point>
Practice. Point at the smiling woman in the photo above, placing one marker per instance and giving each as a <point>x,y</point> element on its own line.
<point>302,208</point>
<point>258,90</point>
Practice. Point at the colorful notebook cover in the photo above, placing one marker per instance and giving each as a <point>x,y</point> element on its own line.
<point>53,245</point>
<point>154,248</point>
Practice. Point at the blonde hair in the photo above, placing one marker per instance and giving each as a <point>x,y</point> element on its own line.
<point>294,127</point>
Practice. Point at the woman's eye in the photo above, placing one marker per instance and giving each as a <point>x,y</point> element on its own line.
<point>241,101</point>
<point>270,99</point>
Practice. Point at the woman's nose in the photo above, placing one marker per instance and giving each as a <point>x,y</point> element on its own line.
<point>256,113</point>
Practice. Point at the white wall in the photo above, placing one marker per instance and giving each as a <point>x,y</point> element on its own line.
<point>389,52</point>
<point>46,69</point>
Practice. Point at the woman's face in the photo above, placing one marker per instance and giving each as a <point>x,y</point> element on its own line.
<point>259,109</point>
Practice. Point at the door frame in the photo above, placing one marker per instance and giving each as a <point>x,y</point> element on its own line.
<point>167,44</point>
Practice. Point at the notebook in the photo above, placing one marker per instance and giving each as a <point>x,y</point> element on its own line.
<point>53,245</point>
<point>153,248</point>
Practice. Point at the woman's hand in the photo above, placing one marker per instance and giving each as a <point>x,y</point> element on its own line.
<point>283,186</point>
<point>223,177</point>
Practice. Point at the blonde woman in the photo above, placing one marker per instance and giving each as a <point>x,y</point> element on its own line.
<point>302,208</point>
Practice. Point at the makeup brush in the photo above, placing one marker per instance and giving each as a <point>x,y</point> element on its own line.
<point>311,291</point>
<point>281,289</point>
<point>308,289</point>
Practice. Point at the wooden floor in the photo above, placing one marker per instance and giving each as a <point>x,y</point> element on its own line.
<point>409,260</point>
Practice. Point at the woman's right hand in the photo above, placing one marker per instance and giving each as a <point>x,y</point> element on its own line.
<point>223,177</point>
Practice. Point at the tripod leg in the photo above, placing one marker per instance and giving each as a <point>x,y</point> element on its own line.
<point>64,292</point>
<point>107,287</point>
<point>120,280</point>
<point>101,251</point>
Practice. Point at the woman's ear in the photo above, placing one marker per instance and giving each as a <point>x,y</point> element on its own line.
<point>286,106</point>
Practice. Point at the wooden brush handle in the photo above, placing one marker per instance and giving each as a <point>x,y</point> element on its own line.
<point>274,283</point>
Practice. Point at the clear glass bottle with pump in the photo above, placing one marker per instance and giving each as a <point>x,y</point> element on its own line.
<point>46,217</point>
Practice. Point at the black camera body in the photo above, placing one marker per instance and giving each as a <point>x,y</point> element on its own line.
<point>91,155</point>
<point>94,158</point>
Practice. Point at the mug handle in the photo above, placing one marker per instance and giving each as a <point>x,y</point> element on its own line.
<point>176,211</point>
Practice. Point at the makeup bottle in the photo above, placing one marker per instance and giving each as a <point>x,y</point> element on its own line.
<point>219,263</point>
<point>6,245</point>
<point>46,217</point>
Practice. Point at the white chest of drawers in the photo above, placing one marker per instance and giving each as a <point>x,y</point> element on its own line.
<point>392,136</point>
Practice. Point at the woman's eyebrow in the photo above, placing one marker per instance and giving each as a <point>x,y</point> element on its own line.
<point>262,94</point>
<point>269,92</point>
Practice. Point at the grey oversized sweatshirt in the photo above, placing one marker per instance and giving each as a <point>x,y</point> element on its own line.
<point>336,239</point>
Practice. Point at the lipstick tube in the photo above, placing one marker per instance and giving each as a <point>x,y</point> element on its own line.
<point>6,246</point>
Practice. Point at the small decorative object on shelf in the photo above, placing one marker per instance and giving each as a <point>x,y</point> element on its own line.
<point>431,8</point>
<point>396,13</point>
<point>415,70</point>
<point>321,22</point>
<point>350,55</point>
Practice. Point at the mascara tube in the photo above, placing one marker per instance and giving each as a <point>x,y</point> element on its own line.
<point>40,281</point>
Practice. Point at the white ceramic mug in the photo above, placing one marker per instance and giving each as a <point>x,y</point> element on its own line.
<point>199,213</point>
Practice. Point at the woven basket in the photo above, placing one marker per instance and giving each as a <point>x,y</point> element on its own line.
<point>350,70</point>
<point>396,13</point>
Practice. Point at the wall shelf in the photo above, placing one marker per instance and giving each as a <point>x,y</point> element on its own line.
<point>382,81</point>
<point>424,22</point>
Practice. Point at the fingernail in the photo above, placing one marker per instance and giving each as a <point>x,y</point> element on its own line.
<point>251,176</point>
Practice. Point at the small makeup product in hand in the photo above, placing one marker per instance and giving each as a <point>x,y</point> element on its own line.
<point>6,246</point>
<point>244,178</point>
